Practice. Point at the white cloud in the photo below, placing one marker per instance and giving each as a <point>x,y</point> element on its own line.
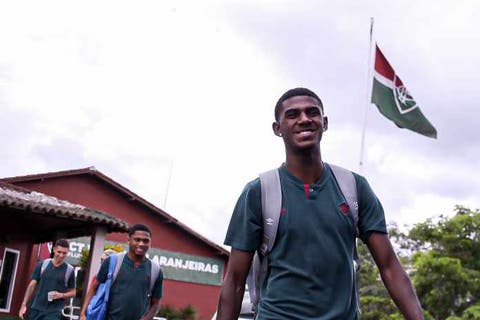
<point>133,87</point>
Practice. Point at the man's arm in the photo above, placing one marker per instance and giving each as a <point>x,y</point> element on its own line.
<point>26,299</point>
<point>71,290</point>
<point>64,295</point>
<point>90,293</point>
<point>394,276</point>
<point>70,293</point>
<point>233,287</point>
<point>152,311</point>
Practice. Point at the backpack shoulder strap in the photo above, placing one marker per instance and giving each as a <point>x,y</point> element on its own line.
<point>348,187</point>
<point>154,272</point>
<point>44,265</point>
<point>68,273</point>
<point>271,198</point>
<point>119,260</point>
<point>271,206</point>
<point>112,266</point>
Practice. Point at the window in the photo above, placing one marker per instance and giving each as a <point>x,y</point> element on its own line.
<point>7,277</point>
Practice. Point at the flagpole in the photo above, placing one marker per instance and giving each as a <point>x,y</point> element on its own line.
<point>367,104</point>
<point>168,185</point>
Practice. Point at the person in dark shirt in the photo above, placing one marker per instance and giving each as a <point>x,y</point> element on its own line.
<point>130,297</point>
<point>48,288</point>
<point>310,272</point>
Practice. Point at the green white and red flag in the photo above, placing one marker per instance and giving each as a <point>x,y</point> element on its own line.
<point>394,101</point>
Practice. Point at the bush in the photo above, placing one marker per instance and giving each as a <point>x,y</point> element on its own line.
<point>171,313</point>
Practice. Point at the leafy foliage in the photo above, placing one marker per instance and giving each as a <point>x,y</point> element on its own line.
<point>472,313</point>
<point>185,313</point>
<point>447,267</point>
<point>442,256</point>
<point>84,258</point>
<point>378,308</point>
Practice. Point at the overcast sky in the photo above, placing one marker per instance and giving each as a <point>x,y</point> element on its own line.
<point>147,90</point>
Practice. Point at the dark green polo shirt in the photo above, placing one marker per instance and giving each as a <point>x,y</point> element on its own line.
<point>129,293</point>
<point>52,279</point>
<point>310,272</point>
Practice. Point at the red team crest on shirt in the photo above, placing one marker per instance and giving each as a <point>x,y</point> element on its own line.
<point>344,208</point>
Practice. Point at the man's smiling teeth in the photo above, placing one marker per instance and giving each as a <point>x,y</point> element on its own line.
<point>305,132</point>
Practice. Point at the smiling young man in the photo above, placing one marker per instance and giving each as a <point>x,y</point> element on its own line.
<point>48,286</point>
<point>310,267</point>
<point>130,297</point>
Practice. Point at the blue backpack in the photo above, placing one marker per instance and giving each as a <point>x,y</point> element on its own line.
<point>97,308</point>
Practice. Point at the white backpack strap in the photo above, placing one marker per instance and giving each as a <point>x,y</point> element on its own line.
<point>68,273</point>
<point>154,272</point>
<point>348,187</point>
<point>44,265</point>
<point>118,265</point>
<point>271,206</point>
<point>271,190</point>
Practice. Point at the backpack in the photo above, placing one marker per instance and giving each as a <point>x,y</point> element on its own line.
<point>97,308</point>
<point>68,273</point>
<point>271,193</point>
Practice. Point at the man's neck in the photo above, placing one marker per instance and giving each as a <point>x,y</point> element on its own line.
<point>307,167</point>
<point>57,263</point>
<point>135,258</point>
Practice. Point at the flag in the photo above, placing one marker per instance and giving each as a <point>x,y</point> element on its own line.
<point>394,101</point>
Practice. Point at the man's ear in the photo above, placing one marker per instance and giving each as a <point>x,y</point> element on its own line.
<point>325,123</point>
<point>276,129</point>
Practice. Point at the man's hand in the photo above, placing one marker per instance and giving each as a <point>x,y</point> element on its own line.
<point>90,293</point>
<point>56,295</point>
<point>394,277</point>
<point>233,286</point>
<point>28,295</point>
<point>152,311</point>
<point>22,311</point>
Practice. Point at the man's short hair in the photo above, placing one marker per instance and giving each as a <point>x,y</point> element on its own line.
<point>62,243</point>
<point>294,93</point>
<point>138,227</point>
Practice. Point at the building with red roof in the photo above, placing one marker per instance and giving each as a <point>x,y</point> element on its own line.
<point>193,266</point>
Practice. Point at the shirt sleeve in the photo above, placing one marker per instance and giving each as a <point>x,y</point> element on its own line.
<point>103,272</point>
<point>71,279</point>
<point>36,272</point>
<point>371,217</point>
<point>158,286</point>
<point>245,229</point>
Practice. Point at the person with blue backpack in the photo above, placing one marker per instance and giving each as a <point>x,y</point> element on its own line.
<point>307,246</point>
<point>53,281</point>
<point>128,285</point>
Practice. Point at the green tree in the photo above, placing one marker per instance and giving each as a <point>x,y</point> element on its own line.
<point>472,313</point>
<point>375,302</point>
<point>171,313</point>
<point>188,312</point>
<point>447,266</point>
